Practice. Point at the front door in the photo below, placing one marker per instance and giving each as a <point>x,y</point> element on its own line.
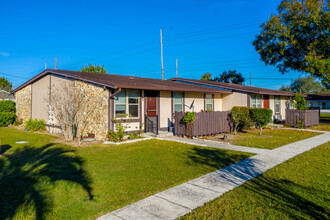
<point>266,101</point>
<point>150,97</point>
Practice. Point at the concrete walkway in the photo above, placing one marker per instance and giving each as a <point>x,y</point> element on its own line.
<point>182,199</point>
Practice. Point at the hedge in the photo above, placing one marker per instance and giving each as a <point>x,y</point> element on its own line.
<point>35,125</point>
<point>7,118</point>
<point>261,116</point>
<point>7,106</point>
<point>241,117</point>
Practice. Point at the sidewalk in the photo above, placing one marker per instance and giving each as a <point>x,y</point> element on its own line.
<point>182,199</point>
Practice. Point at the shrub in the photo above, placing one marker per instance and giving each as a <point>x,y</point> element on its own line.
<point>7,118</point>
<point>7,106</point>
<point>117,135</point>
<point>189,117</point>
<point>133,135</point>
<point>299,102</point>
<point>35,125</point>
<point>241,117</point>
<point>261,117</point>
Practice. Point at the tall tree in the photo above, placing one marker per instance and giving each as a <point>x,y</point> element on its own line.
<point>298,38</point>
<point>207,76</point>
<point>231,76</point>
<point>305,85</point>
<point>5,84</point>
<point>94,68</point>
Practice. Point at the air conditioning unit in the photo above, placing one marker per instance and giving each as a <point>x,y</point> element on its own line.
<point>278,117</point>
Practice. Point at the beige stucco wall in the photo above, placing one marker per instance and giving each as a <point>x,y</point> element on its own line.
<point>198,104</point>
<point>165,108</point>
<point>235,99</point>
<point>217,102</point>
<point>23,103</point>
<point>40,98</point>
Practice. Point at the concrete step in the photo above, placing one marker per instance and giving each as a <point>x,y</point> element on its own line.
<point>161,134</point>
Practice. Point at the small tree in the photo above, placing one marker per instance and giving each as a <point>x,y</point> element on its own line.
<point>207,77</point>
<point>299,102</point>
<point>261,117</point>
<point>94,68</point>
<point>5,85</point>
<point>240,117</point>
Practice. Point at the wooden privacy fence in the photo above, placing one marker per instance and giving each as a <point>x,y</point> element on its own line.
<point>305,118</point>
<point>206,123</point>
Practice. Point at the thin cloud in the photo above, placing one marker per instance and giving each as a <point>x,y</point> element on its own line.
<point>4,54</point>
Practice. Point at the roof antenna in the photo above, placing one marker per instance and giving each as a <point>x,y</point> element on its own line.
<point>176,68</point>
<point>55,62</point>
<point>45,65</point>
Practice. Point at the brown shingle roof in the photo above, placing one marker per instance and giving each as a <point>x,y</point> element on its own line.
<point>234,87</point>
<point>318,96</point>
<point>126,82</point>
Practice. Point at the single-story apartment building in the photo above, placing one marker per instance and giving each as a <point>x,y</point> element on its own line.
<point>321,101</point>
<point>135,99</point>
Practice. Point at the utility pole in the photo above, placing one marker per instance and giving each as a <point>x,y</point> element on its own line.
<point>177,68</point>
<point>250,78</point>
<point>45,65</point>
<point>161,51</point>
<point>55,62</point>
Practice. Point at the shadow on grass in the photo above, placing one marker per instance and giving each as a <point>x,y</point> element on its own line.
<point>214,157</point>
<point>283,194</point>
<point>27,173</point>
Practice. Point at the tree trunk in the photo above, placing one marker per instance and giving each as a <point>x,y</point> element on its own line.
<point>260,130</point>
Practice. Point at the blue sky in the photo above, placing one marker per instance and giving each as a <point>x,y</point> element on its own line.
<point>206,36</point>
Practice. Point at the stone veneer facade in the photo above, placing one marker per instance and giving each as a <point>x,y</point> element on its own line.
<point>23,103</point>
<point>97,100</point>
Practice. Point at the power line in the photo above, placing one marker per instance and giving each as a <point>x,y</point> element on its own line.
<point>6,74</point>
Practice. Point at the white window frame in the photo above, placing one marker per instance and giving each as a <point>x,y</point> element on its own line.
<point>254,99</point>
<point>278,98</point>
<point>174,104</point>
<point>127,104</point>
<point>208,98</point>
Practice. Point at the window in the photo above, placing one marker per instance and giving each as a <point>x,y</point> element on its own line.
<point>178,102</point>
<point>256,101</point>
<point>277,104</point>
<point>127,104</point>
<point>208,102</point>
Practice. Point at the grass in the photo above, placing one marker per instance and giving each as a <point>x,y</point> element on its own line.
<point>321,127</point>
<point>325,116</point>
<point>270,138</point>
<point>296,189</point>
<point>43,180</point>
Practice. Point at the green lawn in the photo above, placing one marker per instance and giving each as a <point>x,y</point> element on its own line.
<point>321,127</point>
<point>296,189</point>
<point>53,181</point>
<point>325,116</point>
<point>270,138</point>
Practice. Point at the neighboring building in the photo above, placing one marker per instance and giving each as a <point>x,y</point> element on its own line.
<point>142,98</point>
<point>321,101</point>
<point>4,95</point>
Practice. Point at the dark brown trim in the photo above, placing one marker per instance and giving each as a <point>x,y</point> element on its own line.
<point>145,103</point>
<point>112,111</point>
<point>183,101</point>
<point>158,108</point>
<point>140,110</point>
<point>31,100</point>
<point>109,110</point>
<point>172,108</point>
